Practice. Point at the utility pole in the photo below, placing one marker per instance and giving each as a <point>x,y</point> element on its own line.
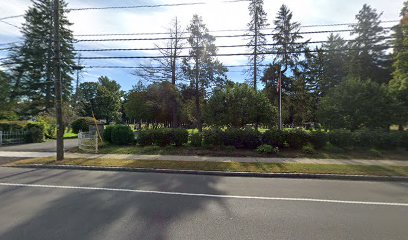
<point>57,82</point>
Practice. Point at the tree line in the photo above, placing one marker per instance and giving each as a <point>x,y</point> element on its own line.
<point>341,83</point>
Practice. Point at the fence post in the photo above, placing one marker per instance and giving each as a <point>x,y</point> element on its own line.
<point>1,138</point>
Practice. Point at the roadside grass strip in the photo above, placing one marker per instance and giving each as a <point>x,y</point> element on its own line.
<point>258,167</point>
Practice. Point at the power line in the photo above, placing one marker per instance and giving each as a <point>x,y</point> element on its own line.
<point>221,30</point>
<point>10,24</point>
<point>150,6</point>
<point>231,54</point>
<point>9,17</point>
<point>216,36</point>
<point>220,46</point>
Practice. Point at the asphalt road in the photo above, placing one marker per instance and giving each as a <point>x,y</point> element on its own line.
<point>61,204</point>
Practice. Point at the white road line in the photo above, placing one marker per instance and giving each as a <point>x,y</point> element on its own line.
<point>204,195</point>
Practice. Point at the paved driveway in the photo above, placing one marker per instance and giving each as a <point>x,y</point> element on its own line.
<point>48,146</point>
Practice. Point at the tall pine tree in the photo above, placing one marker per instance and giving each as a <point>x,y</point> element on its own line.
<point>398,86</point>
<point>334,63</point>
<point>202,68</point>
<point>367,57</point>
<point>257,40</point>
<point>33,69</point>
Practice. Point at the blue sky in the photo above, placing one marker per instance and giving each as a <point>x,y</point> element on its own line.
<point>216,14</point>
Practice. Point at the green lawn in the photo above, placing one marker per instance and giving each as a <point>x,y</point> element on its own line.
<point>229,166</point>
<point>70,135</point>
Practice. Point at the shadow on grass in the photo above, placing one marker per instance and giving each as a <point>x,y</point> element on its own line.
<point>91,214</point>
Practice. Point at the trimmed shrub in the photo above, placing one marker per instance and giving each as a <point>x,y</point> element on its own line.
<point>319,139</point>
<point>145,138</point>
<point>213,137</point>
<point>81,124</point>
<point>267,149</point>
<point>297,138</point>
<point>35,132</point>
<point>107,133</point>
<point>333,149</point>
<point>274,137</point>
<point>122,135</point>
<point>242,138</point>
<point>308,149</point>
<point>8,126</point>
<point>180,137</point>
<point>403,140</point>
<point>196,140</point>
<point>341,138</point>
<point>162,137</point>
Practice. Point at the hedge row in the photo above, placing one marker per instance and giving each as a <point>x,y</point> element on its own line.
<point>35,130</point>
<point>251,139</point>
<point>118,135</point>
<point>163,137</point>
<point>297,139</point>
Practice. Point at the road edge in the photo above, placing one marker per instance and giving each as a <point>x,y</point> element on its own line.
<point>221,173</point>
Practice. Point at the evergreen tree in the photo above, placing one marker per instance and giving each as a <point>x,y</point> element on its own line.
<point>367,57</point>
<point>286,38</point>
<point>334,63</point>
<point>257,38</point>
<point>6,106</point>
<point>398,86</point>
<point>202,68</point>
<point>33,69</point>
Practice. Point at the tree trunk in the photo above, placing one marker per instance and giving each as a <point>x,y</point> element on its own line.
<point>256,49</point>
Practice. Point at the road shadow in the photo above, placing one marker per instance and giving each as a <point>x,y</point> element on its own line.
<point>92,214</point>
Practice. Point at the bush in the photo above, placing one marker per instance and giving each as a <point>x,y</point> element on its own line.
<point>274,138</point>
<point>297,138</point>
<point>213,137</point>
<point>8,126</point>
<point>242,138</point>
<point>145,138</point>
<point>333,149</point>
<point>308,149</point>
<point>50,131</point>
<point>107,133</point>
<point>82,124</point>
<point>341,138</point>
<point>35,132</point>
<point>196,140</point>
<point>286,138</point>
<point>180,137</point>
<point>163,137</point>
<point>318,139</point>
<point>122,135</point>
<point>267,149</point>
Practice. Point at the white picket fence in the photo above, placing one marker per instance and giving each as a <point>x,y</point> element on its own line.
<point>9,138</point>
<point>88,142</point>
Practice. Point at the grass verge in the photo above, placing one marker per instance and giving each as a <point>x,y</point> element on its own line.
<point>369,154</point>
<point>227,166</point>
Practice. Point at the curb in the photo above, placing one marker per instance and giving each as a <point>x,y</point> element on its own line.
<point>225,174</point>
